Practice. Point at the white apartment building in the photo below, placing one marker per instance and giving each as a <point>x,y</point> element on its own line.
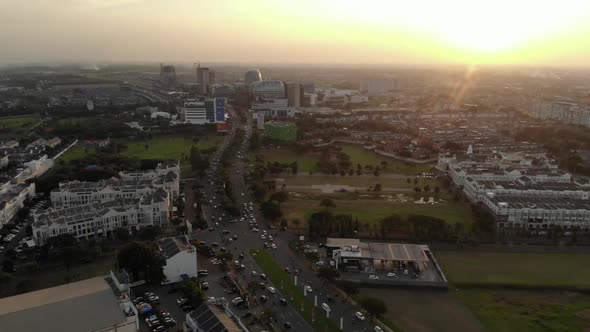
<point>34,169</point>
<point>564,111</point>
<point>130,185</point>
<point>12,199</point>
<point>458,174</point>
<point>100,219</point>
<point>539,212</point>
<point>181,258</point>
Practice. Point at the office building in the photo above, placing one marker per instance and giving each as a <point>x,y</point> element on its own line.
<point>295,94</point>
<point>252,76</point>
<point>99,304</point>
<point>203,112</point>
<point>167,76</point>
<point>266,90</point>
<point>181,258</point>
<point>203,79</point>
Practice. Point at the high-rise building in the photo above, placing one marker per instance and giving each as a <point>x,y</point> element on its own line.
<point>295,94</point>
<point>309,88</point>
<point>203,79</point>
<point>167,75</point>
<point>252,76</point>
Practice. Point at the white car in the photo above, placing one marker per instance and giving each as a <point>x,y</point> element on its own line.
<point>263,236</point>
<point>391,275</point>
<point>360,315</point>
<point>318,263</point>
<point>272,290</point>
<point>253,273</point>
<point>326,307</point>
<point>373,277</point>
<point>308,289</point>
<point>378,329</point>
<point>274,246</point>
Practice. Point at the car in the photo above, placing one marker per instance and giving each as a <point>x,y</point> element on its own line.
<point>148,294</point>
<point>211,229</point>
<point>215,261</point>
<point>270,238</point>
<point>253,273</point>
<point>263,298</point>
<point>225,231</point>
<point>247,315</point>
<point>202,273</point>
<point>263,276</point>
<point>378,329</point>
<point>319,263</point>
<point>187,308</point>
<point>214,244</point>
<point>287,325</point>
<point>204,285</point>
<point>406,272</point>
<point>359,315</point>
<point>235,237</point>
<point>263,236</point>
<point>274,246</point>
<point>138,300</point>
<point>223,249</point>
<point>391,275</point>
<point>272,290</point>
<point>326,307</point>
<point>283,301</point>
<point>373,277</point>
<point>241,256</point>
<point>159,328</point>
<point>308,289</point>
<point>181,301</point>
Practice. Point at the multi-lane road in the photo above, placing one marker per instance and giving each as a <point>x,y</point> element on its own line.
<point>248,239</point>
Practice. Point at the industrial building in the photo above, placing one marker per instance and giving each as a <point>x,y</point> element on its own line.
<point>281,131</point>
<point>99,304</point>
<point>203,112</point>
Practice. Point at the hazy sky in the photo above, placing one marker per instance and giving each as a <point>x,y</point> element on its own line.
<point>554,32</point>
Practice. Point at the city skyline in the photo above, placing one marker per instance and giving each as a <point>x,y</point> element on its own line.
<point>306,32</point>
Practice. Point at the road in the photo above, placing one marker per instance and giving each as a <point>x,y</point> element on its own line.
<point>248,239</point>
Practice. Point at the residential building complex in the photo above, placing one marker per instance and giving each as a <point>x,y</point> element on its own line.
<point>203,112</point>
<point>12,199</point>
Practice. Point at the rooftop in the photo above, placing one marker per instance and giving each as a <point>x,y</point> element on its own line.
<point>170,246</point>
<point>212,319</point>
<point>88,305</point>
<point>545,203</point>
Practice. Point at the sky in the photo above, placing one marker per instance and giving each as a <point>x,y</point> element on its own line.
<point>530,32</point>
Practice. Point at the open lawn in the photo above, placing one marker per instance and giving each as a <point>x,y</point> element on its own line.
<point>357,181</point>
<point>358,155</point>
<point>166,147</point>
<point>419,310</point>
<point>293,295</point>
<point>18,126</point>
<point>305,162</point>
<point>76,152</point>
<point>516,269</point>
<point>370,210</point>
<point>529,311</point>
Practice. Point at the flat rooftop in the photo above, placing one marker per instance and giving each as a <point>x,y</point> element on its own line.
<point>353,248</point>
<point>545,203</point>
<point>85,305</point>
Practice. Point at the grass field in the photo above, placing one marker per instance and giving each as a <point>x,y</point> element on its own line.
<point>516,269</point>
<point>358,181</point>
<point>424,310</point>
<point>358,155</point>
<point>292,294</point>
<point>529,311</point>
<point>16,127</point>
<point>305,163</point>
<point>166,147</point>
<point>373,210</point>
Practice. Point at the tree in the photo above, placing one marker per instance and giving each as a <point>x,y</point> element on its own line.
<point>279,197</point>
<point>148,233</point>
<point>8,266</point>
<point>122,234</point>
<point>327,203</point>
<point>328,274</point>
<point>374,306</point>
<point>426,188</point>
<point>296,222</point>
<point>436,190</point>
<point>271,210</point>
<point>377,187</point>
<point>143,261</point>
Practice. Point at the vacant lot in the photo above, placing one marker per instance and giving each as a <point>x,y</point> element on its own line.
<point>516,269</point>
<point>425,310</point>
<point>17,127</point>
<point>370,210</point>
<point>305,162</point>
<point>529,311</point>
